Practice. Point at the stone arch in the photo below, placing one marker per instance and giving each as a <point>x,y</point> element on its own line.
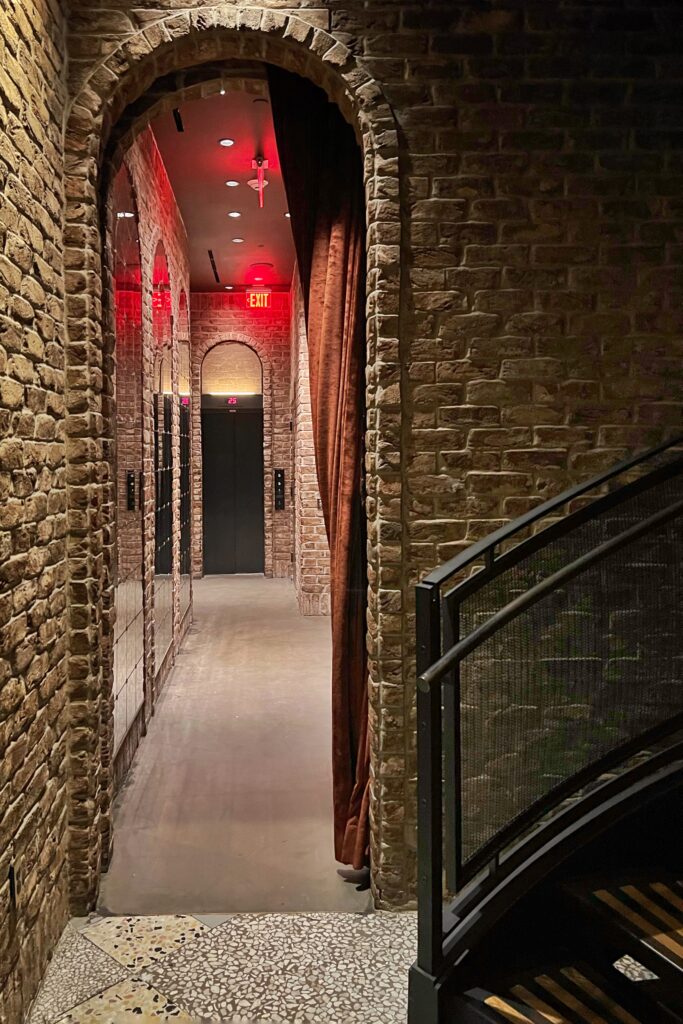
<point>101,93</point>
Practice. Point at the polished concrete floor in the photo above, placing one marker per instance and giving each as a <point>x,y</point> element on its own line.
<point>227,807</point>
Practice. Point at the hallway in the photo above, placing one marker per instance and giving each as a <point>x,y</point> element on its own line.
<point>228,805</point>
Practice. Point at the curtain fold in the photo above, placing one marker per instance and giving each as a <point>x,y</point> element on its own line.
<point>322,171</point>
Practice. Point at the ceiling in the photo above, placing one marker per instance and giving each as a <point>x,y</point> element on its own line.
<point>198,168</point>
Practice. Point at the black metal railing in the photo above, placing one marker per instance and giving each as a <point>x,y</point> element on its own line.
<point>545,658</point>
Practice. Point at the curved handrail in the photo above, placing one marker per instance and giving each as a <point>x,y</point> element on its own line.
<point>439,620</point>
<point>455,654</point>
<point>484,548</point>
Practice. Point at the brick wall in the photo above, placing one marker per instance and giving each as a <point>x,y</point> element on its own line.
<point>34,753</point>
<point>311,549</point>
<point>215,318</point>
<point>531,330</point>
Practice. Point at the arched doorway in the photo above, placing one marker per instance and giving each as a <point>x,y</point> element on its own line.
<point>232,460</point>
<point>285,43</point>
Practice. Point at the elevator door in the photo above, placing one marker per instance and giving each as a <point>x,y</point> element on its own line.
<point>232,449</point>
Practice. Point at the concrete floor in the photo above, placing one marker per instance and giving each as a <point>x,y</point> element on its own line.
<point>227,807</point>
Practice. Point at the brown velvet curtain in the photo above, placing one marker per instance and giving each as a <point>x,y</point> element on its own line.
<point>323,176</point>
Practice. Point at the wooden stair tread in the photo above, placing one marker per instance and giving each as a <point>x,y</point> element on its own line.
<point>571,994</point>
<point>649,912</point>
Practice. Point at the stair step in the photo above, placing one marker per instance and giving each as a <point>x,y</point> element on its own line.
<point>646,916</point>
<point>573,994</point>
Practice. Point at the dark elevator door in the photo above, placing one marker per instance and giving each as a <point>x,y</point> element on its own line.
<point>232,451</point>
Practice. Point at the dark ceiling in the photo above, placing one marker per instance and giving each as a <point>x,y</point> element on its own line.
<point>198,168</point>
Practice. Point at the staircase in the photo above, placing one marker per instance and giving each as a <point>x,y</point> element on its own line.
<point>550,762</point>
<point>622,965</point>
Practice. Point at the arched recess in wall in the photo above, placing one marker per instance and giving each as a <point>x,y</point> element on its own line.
<point>185,451</point>
<point>235,535</point>
<point>128,655</point>
<point>108,95</point>
<point>162,331</point>
<point>232,368</point>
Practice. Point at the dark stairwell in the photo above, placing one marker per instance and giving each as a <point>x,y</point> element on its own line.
<point>550,762</point>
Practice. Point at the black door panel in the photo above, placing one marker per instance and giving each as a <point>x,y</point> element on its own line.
<point>232,448</point>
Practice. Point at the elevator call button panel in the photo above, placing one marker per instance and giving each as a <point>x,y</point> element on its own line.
<point>130,490</point>
<point>279,479</point>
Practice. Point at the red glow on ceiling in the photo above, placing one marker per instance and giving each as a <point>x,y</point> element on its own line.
<point>198,169</point>
<point>260,275</point>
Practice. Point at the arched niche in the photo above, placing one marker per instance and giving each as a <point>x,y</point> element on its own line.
<point>183,335</point>
<point>232,368</point>
<point>162,323</point>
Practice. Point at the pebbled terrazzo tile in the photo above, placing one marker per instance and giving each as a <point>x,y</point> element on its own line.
<point>137,942</point>
<point>633,970</point>
<point>126,1002</point>
<point>302,968</point>
<point>212,920</point>
<point>77,971</point>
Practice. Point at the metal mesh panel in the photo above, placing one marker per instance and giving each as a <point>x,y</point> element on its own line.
<point>578,675</point>
<point>163,560</point>
<point>185,506</point>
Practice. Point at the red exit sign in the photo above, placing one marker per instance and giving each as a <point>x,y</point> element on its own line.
<point>258,299</point>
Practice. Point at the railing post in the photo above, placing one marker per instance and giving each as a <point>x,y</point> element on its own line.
<point>452,762</point>
<point>429,786</point>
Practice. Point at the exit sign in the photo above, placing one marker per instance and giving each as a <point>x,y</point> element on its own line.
<point>258,299</point>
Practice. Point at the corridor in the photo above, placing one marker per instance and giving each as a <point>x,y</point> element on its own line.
<point>228,805</point>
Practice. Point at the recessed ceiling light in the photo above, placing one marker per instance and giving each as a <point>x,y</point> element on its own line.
<point>288,215</point>
<point>222,92</point>
<point>226,142</point>
<point>238,240</point>
<point>229,287</point>
<point>125,214</point>
<point>232,184</point>
<point>258,278</point>
<point>234,213</point>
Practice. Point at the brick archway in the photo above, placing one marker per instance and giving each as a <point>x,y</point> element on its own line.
<point>101,96</point>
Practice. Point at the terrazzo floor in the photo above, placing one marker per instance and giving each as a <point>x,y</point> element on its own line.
<point>325,968</point>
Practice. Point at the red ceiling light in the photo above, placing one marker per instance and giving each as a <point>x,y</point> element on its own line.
<point>259,274</point>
